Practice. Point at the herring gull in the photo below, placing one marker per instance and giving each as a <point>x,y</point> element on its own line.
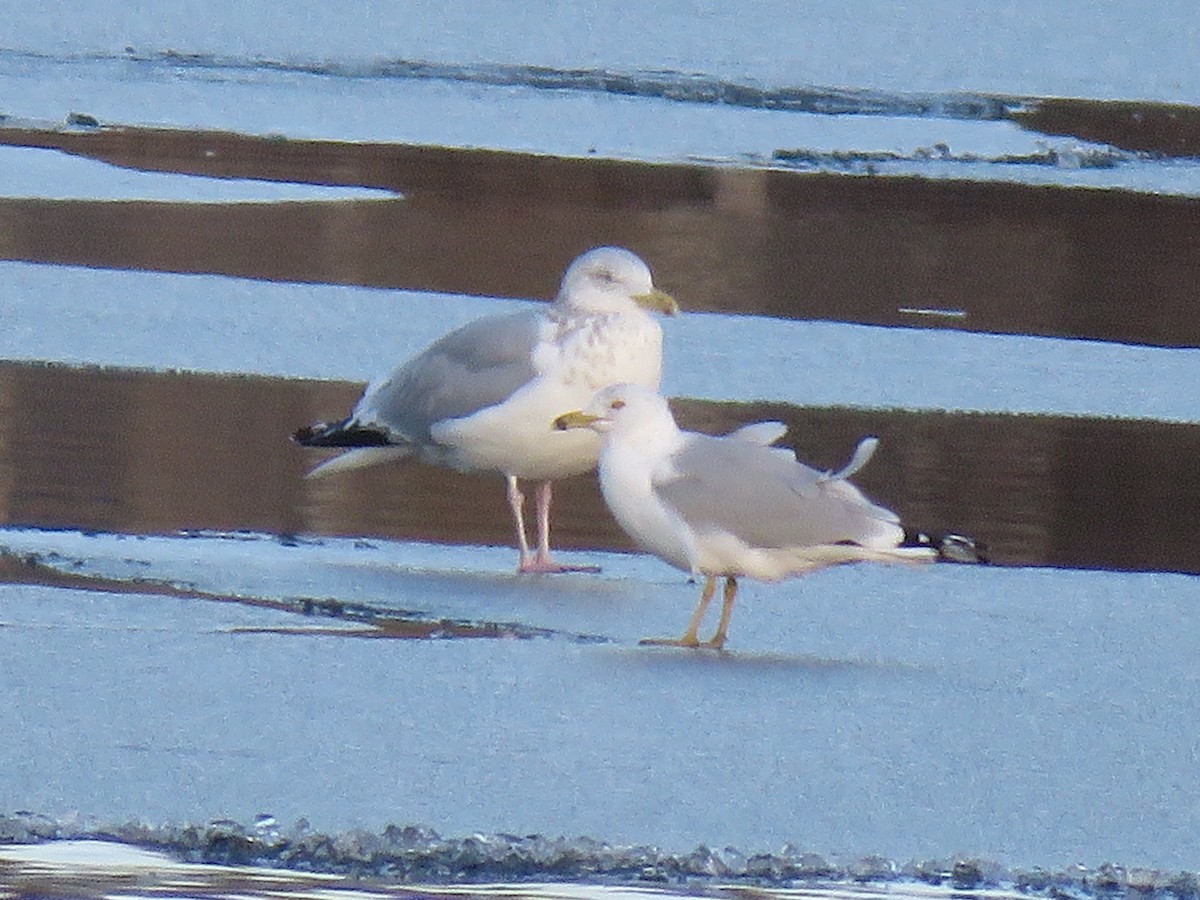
<point>735,506</point>
<point>483,397</point>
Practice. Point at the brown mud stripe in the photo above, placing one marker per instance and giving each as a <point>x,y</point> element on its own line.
<point>1109,265</point>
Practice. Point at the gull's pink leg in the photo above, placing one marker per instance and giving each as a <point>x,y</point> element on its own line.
<point>544,496</point>
<point>516,502</point>
<point>542,561</point>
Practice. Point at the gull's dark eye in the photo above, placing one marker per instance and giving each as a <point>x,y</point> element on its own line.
<point>617,404</point>
<point>607,276</point>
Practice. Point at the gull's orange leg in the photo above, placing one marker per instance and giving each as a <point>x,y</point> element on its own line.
<point>718,639</point>
<point>690,639</point>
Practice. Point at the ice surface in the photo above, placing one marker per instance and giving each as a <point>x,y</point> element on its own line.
<point>436,112</point>
<point>26,172</point>
<point>1070,48</point>
<point>1012,714</point>
<point>361,97</point>
<point>216,324</point>
<point>509,867</point>
<point>74,854</point>
<point>1005,713</point>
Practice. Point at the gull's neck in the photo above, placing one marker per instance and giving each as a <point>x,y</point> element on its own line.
<point>655,437</point>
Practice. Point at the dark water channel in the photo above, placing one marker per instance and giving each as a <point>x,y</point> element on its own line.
<point>135,451</point>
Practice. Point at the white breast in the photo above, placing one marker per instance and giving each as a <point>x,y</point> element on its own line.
<point>625,482</point>
<point>591,352</point>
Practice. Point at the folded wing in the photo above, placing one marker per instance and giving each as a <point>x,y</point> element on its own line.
<point>479,365</point>
<point>767,499</point>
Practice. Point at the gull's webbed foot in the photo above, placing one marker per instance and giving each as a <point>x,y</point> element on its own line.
<point>545,565</point>
<point>690,638</point>
<point>541,562</point>
<point>688,641</point>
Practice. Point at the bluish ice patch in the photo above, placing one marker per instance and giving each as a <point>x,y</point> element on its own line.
<point>1011,714</point>
<point>259,97</point>
<point>1071,48</point>
<point>1040,717</point>
<point>216,324</point>
<point>34,173</point>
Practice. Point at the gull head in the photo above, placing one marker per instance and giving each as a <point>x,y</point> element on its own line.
<point>610,279</point>
<point>622,408</point>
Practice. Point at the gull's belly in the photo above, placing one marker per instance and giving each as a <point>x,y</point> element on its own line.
<point>518,437</point>
<point>528,454</point>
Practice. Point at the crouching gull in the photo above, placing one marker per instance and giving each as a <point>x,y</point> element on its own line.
<point>735,506</point>
<point>483,397</point>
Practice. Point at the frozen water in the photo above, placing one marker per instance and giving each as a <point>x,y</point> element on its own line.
<point>506,866</point>
<point>436,112</point>
<point>1070,48</point>
<point>611,85</point>
<point>26,172</point>
<point>1008,713</point>
<point>206,323</point>
<point>861,710</point>
<point>91,854</point>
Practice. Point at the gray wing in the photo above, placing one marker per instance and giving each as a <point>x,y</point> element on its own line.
<point>476,366</point>
<point>768,499</point>
<point>763,433</point>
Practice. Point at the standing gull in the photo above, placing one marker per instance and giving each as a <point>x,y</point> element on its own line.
<point>482,398</point>
<point>731,506</point>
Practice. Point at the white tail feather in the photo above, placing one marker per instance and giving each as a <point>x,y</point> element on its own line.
<point>862,455</point>
<point>812,558</point>
<point>359,458</point>
<point>772,565</point>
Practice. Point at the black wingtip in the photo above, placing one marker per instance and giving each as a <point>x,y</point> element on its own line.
<point>346,433</point>
<point>955,548</point>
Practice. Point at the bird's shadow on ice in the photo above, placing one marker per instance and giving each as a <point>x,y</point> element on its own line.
<point>451,601</point>
<point>755,661</point>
